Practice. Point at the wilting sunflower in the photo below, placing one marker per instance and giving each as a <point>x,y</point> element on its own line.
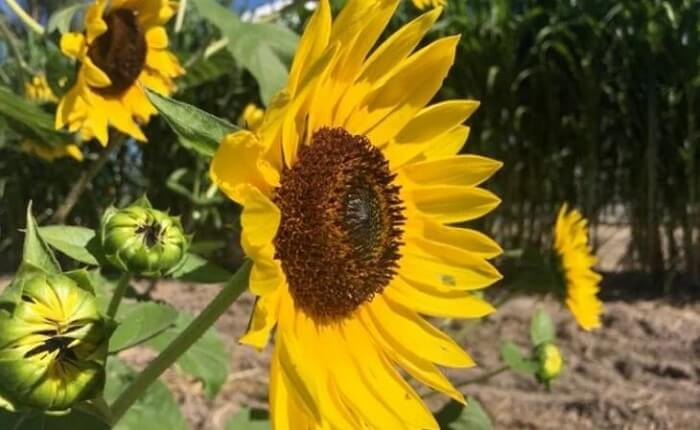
<point>348,190</point>
<point>124,48</point>
<point>423,4</point>
<point>576,261</point>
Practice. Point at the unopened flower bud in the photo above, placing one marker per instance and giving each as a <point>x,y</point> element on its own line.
<point>143,241</point>
<point>53,346</point>
<point>550,361</point>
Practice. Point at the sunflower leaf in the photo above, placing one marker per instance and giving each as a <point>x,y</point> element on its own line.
<point>79,243</point>
<point>196,129</point>
<point>264,49</point>
<point>541,328</point>
<point>514,359</point>
<point>249,419</point>
<point>456,416</point>
<point>139,322</point>
<point>36,253</point>
<point>62,18</point>
<point>196,269</point>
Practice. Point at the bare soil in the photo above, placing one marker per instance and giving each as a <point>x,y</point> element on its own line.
<point>640,371</point>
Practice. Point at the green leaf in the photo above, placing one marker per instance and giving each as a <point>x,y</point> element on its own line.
<point>61,19</point>
<point>196,269</point>
<point>139,322</point>
<point>456,416</point>
<point>196,129</point>
<point>36,252</point>
<point>264,49</point>
<point>79,243</point>
<point>249,419</point>
<point>76,420</point>
<point>206,69</point>
<point>514,359</point>
<point>156,410</point>
<point>29,120</point>
<point>207,360</point>
<point>541,328</point>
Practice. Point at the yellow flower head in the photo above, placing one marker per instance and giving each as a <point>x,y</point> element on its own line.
<point>571,244</point>
<point>551,361</point>
<point>252,117</point>
<point>423,4</point>
<point>124,48</point>
<point>38,89</point>
<point>349,188</point>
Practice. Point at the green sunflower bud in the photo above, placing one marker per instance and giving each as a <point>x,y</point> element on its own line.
<point>53,346</point>
<point>550,362</point>
<point>143,241</point>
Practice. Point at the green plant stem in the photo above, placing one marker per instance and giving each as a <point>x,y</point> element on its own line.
<point>485,376</point>
<point>14,45</point>
<point>25,17</point>
<point>118,294</point>
<point>228,295</point>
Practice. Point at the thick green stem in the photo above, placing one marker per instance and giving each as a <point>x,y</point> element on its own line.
<point>228,295</point>
<point>118,295</point>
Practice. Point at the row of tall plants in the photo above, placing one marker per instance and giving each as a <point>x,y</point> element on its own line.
<point>591,102</point>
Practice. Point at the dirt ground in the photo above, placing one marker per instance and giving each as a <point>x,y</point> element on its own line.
<point>640,371</point>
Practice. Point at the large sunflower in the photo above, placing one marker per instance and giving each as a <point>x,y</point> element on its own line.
<point>576,260</point>
<point>348,188</point>
<point>124,48</point>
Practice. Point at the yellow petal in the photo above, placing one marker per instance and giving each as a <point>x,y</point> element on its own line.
<point>411,361</point>
<point>449,204</point>
<point>404,329</point>
<point>446,145</point>
<point>391,105</point>
<point>462,170</point>
<point>260,218</point>
<point>94,76</point>
<point>75,152</point>
<point>380,63</point>
<point>141,108</point>
<point>285,412</point>
<point>263,321</point>
<point>442,265</point>
<point>456,304</point>
<point>73,44</point>
<point>238,161</point>
<point>466,239</point>
<point>164,62</point>
<point>312,44</point>
<point>94,23</point>
<point>157,38</point>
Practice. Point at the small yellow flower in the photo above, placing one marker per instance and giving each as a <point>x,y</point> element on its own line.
<point>123,49</point>
<point>423,4</point>
<point>551,362</point>
<point>252,117</point>
<point>576,260</point>
<point>38,89</point>
<point>350,189</point>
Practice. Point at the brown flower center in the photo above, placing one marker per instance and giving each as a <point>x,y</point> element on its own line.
<point>120,51</point>
<point>342,217</point>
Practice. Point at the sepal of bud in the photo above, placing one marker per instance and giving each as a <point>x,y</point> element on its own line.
<point>53,345</point>
<point>143,241</point>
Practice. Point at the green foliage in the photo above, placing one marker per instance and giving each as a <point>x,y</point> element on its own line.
<point>75,420</point>
<point>542,328</point>
<point>456,416</point>
<point>207,360</point>
<point>29,120</point>
<point>264,49</point>
<point>196,129</point>
<point>62,18</point>
<point>515,360</point>
<point>157,409</point>
<point>139,322</point>
<point>78,243</point>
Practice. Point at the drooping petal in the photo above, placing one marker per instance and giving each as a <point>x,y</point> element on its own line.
<point>264,319</point>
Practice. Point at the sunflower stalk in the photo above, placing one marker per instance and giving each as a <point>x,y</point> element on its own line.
<point>217,307</point>
<point>118,294</point>
<point>25,17</point>
<point>115,144</point>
